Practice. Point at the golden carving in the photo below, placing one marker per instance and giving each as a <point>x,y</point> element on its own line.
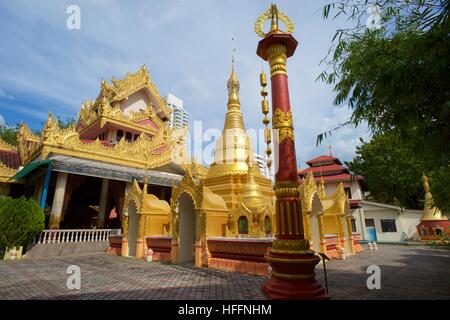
<point>27,142</point>
<point>6,172</point>
<point>105,113</point>
<point>146,152</point>
<point>277,59</point>
<point>291,246</point>
<point>274,15</point>
<point>282,122</point>
<point>284,189</point>
<point>122,89</point>
<point>6,146</point>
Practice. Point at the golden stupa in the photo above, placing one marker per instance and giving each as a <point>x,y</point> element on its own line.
<point>233,151</point>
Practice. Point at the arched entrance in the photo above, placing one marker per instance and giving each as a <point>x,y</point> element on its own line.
<point>133,227</point>
<point>187,228</point>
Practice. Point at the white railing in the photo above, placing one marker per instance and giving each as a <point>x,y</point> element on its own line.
<point>75,235</point>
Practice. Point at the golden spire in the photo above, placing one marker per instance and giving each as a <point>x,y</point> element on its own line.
<point>233,147</point>
<point>233,118</point>
<point>430,213</point>
<point>274,18</point>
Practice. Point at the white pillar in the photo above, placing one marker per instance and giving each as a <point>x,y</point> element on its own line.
<point>58,200</point>
<point>362,222</point>
<point>102,205</point>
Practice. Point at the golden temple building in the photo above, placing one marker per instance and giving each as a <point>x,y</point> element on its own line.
<point>122,168</point>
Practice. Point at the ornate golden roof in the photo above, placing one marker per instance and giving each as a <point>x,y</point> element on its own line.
<point>144,153</point>
<point>27,142</point>
<point>430,213</point>
<point>111,94</point>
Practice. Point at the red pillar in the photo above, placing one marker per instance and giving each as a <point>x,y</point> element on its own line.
<point>290,257</point>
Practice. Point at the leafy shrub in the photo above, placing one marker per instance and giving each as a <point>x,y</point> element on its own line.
<point>20,221</point>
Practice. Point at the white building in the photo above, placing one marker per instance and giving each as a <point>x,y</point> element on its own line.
<point>262,165</point>
<point>374,221</point>
<point>179,118</point>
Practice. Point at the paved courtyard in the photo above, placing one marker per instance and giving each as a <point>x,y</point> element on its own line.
<point>407,272</point>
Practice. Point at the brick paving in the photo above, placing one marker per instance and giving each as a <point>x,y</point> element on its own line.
<point>406,273</point>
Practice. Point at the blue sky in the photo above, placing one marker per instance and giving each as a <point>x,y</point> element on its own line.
<point>186,46</point>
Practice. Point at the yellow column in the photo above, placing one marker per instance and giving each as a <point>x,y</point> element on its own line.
<point>102,206</point>
<point>340,231</point>
<point>58,200</point>
<point>323,241</point>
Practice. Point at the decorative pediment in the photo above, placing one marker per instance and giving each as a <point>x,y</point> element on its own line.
<point>111,94</point>
<point>146,152</point>
<point>337,203</point>
<point>27,143</point>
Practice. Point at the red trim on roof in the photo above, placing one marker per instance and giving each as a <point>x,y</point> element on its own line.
<point>103,142</point>
<point>325,169</point>
<point>354,204</point>
<point>324,159</point>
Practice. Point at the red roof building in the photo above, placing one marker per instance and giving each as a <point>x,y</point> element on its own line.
<point>332,171</point>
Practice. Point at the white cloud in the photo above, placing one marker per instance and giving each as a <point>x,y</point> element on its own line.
<point>6,95</point>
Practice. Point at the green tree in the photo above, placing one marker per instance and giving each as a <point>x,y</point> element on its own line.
<point>8,134</point>
<point>396,77</point>
<point>20,221</point>
<point>392,172</point>
<point>69,121</point>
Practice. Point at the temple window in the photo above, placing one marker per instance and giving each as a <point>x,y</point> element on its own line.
<point>267,226</point>
<point>438,232</point>
<point>388,225</point>
<point>128,136</point>
<point>424,231</point>
<point>119,135</point>
<point>242,225</point>
<point>348,192</point>
<point>353,222</point>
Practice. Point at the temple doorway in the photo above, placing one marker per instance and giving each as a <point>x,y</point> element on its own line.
<point>83,203</point>
<point>133,227</point>
<point>187,228</point>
